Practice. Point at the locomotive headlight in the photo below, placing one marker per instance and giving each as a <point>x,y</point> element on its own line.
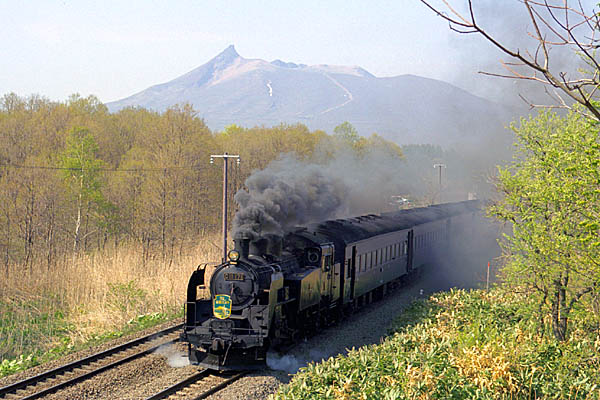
<point>233,255</point>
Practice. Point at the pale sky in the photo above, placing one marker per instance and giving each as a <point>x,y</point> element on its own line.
<point>114,48</point>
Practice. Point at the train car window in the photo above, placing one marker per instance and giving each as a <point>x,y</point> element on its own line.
<point>373,259</point>
<point>387,254</point>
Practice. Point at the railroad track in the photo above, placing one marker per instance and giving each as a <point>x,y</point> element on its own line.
<point>198,386</point>
<point>80,370</point>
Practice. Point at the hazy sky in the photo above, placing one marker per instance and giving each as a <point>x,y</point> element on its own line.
<point>115,48</point>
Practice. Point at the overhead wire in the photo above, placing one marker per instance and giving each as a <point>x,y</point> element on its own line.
<point>20,166</point>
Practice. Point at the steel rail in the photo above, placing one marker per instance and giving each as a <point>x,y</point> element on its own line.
<point>193,379</point>
<point>34,380</point>
<point>220,386</point>
<point>180,385</point>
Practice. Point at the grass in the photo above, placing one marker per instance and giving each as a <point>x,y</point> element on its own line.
<point>94,298</point>
<point>461,345</point>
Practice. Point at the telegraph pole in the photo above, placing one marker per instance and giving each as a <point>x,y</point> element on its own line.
<point>225,158</point>
<point>440,166</point>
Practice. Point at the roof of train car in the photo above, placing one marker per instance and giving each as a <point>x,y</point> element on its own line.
<point>358,228</point>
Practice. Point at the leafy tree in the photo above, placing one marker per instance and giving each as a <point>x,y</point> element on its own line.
<point>81,175</point>
<point>347,132</point>
<point>552,199</point>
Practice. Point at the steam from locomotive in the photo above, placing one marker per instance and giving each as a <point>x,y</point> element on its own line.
<point>286,194</point>
<point>292,192</point>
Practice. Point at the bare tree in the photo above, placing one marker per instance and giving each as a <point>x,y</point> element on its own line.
<point>558,25</point>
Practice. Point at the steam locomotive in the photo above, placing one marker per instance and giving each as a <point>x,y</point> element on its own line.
<point>273,290</point>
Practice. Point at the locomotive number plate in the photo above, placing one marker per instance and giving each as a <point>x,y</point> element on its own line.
<point>234,276</point>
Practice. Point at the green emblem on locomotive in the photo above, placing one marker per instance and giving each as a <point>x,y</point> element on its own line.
<point>222,306</point>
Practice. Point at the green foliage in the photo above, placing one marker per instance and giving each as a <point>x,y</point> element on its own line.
<point>347,133</point>
<point>27,324</point>
<point>552,198</point>
<point>81,167</point>
<point>21,363</point>
<point>125,297</point>
<point>459,345</point>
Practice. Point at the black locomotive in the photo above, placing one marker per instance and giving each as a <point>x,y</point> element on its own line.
<point>273,290</point>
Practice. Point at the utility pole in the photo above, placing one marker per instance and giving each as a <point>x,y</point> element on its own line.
<point>440,166</point>
<point>225,158</point>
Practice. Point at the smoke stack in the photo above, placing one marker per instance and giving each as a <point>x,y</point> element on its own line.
<point>242,245</point>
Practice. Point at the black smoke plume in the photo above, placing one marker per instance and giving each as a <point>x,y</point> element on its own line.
<point>286,194</point>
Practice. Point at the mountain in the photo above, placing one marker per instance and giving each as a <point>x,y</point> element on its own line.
<point>230,89</point>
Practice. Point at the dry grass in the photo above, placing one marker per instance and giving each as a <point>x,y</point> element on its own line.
<point>93,293</point>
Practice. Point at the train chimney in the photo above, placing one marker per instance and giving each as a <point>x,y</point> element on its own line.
<point>242,245</point>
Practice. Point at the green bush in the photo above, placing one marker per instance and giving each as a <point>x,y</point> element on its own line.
<point>460,345</point>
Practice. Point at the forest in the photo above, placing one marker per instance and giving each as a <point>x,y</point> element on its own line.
<point>75,178</point>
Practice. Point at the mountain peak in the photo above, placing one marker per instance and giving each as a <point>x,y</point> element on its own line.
<point>228,54</point>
